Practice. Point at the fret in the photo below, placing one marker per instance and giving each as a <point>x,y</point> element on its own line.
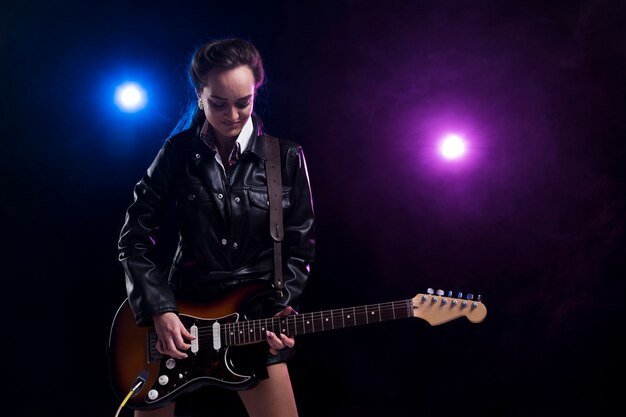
<point>283,325</point>
<point>241,332</point>
<point>299,320</point>
<point>275,325</point>
<point>372,314</point>
<point>317,322</point>
<point>295,324</point>
<point>327,321</point>
<point>311,322</point>
<point>228,332</point>
<point>228,329</point>
<point>256,331</point>
<point>307,323</point>
<point>393,311</point>
<point>351,316</point>
<point>263,329</point>
<point>237,334</point>
<point>360,316</point>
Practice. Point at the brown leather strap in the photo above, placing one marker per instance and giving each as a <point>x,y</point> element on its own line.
<point>275,193</point>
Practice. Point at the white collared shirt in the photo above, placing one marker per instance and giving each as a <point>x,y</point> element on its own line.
<point>242,142</point>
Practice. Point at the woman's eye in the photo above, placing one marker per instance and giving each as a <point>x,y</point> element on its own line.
<point>217,105</point>
<point>243,105</point>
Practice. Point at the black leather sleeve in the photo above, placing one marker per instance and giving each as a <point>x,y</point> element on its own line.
<point>147,287</point>
<point>298,247</point>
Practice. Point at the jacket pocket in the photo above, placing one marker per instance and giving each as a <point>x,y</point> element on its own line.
<point>193,194</point>
<point>259,198</point>
<point>196,209</point>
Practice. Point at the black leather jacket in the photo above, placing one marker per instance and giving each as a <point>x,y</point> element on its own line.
<point>223,222</point>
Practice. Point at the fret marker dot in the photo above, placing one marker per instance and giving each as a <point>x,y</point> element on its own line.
<point>326,320</point>
<point>348,316</point>
<point>308,322</point>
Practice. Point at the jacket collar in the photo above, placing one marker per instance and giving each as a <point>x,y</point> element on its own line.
<point>256,145</point>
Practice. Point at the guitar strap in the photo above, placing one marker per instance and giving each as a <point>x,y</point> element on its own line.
<point>275,193</point>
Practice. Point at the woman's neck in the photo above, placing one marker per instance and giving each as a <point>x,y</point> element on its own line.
<point>224,145</point>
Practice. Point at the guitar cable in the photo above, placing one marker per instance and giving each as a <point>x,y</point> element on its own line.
<point>141,379</point>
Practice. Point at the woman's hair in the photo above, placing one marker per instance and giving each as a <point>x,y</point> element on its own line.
<point>221,54</point>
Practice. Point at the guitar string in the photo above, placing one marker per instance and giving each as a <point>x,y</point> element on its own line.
<point>256,326</point>
<point>312,316</point>
<point>233,332</point>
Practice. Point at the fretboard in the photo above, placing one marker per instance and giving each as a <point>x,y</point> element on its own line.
<point>253,331</point>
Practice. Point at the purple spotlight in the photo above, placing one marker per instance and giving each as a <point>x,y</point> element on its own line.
<point>452,147</point>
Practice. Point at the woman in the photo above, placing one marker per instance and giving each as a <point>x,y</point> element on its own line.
<point>214,171</point>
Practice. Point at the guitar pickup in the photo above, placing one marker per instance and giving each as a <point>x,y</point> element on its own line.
<point>194,342</point>
<point>217,342</point>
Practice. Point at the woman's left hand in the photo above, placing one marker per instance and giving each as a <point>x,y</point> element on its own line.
<point>278,342</point>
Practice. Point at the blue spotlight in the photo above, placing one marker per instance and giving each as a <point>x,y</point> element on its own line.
<point>130,97</point>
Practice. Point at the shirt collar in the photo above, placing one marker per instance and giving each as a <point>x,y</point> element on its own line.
<point>241,143</point>
<point>243,139</point>
<point>245,135</point>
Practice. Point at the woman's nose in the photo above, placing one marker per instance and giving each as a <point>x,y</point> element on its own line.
<point>232,113</point>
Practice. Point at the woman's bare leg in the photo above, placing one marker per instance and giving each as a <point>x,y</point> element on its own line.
<point>167,411</point>
<point>272,397</point>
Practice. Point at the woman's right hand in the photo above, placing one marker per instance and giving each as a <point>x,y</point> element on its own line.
<point>172,335</point>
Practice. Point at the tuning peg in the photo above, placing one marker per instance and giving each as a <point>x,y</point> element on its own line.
<point>449,293</point>
<point>470,296</point>
<point>430,291</point>
<point>459,295</point>
<point>479,298</point>
<point>440,292</point>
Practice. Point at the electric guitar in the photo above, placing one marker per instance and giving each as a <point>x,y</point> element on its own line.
<point>156,380</point>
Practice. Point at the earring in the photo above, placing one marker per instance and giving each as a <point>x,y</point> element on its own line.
<point>200,105</point>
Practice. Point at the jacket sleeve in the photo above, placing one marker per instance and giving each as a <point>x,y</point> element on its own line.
<point>148,290</point>
<point>299,242</point>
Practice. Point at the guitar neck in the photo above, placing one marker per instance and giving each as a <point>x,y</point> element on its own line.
<point>253,331</point>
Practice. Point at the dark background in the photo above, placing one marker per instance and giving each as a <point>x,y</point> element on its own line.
<point>533,220</point>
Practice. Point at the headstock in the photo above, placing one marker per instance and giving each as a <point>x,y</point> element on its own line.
<point>438,308</point>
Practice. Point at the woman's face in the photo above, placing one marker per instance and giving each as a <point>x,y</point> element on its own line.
<point>228,98</point>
